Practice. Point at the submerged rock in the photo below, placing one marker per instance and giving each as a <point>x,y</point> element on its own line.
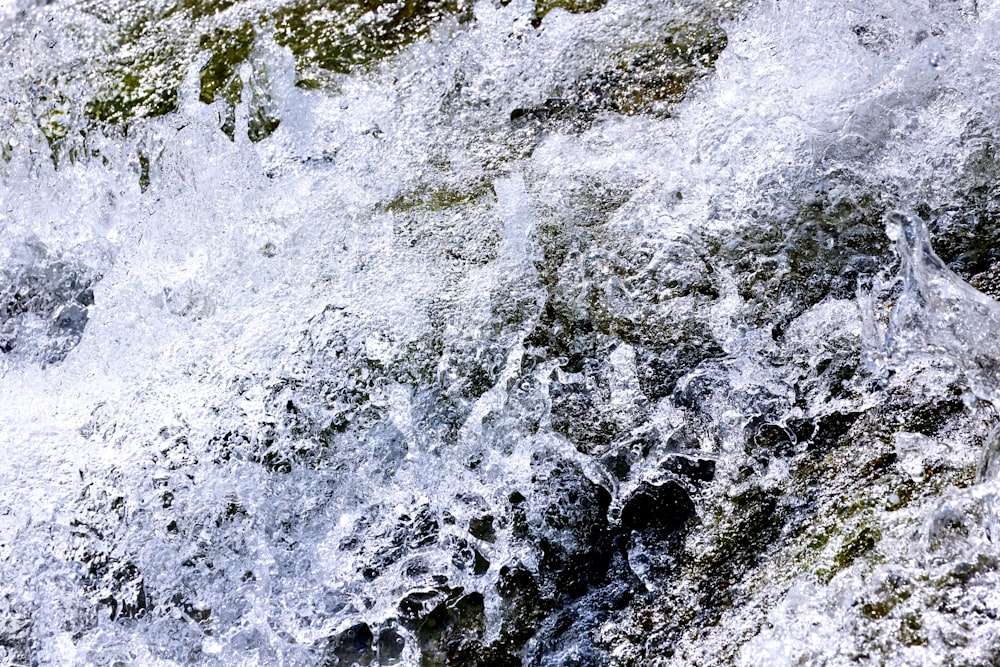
<point>44,304</point>
<point>543,333</point>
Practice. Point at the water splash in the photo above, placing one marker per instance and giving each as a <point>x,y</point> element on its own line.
<point>490,351</point>
<point>939,315</point>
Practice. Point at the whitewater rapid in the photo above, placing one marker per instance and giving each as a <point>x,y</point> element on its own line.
<point>489,349</point>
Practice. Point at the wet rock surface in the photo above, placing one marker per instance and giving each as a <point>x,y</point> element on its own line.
<point>44,304</point>
<point>497,333</point>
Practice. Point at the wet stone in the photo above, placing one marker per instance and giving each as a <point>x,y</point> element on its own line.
<point>15,632</point>
<point>543,7</point>
<point>128,598</point>
<point>482,528</point>
<point>570,527</point>
<point>553,114</point>
<point>44,305</point>
<point>776,439</point>
<point>690,468</point>
<point>480,565</point>
<point>659,510</point>
<point>524,607</point>
<point>569,635</point>
<point>649,78</point>
<point>616,362</point>
<point>988,281</point>
<point>618,462</point>
<point>390,646</point>
<point>583,412</point>
<point>353,646</point>
<point>822,232</point>
<point>418,604</point>
<point>410,533</point>
<point>422,528</point>
<point>658,370</point>
<point>453,633</point>
<point>830,430</point>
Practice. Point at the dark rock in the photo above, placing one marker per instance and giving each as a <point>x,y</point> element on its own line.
<point>569,635</point>
<point>690,468</point>
<point>552,114</point>
<point>659,369</point>
<point>573,536</point>
<point>44,304</point>
<point>822,231</point>
<point>524,607</point>
<point>831,429</point>
<point>418,604</point>
<point>480,565</point>
<point>819,435</point>
<point>452,633</point>
<point>579,413</point>
<point>619,461</point>
<point>353,646</point>
<point>988,281</point>
<point>390,646</point>
<point>411,532</point>
<point>661,509</point>
<point>15,634</point>
<point>482,528</point>
<point>127,597</point>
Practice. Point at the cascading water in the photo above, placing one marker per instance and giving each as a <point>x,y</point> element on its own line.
<point>555,332</point>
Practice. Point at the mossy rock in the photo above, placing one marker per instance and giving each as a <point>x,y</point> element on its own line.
<point>655,75</point>
<point>543,7</point>
<point>143,64</point>
<point>341,36</point>
<point>648,77</point>
<point>229,48</point>
<point>151,48</point>
<point>201,8</point>
<point>819,252</point>
<point>444,197</point>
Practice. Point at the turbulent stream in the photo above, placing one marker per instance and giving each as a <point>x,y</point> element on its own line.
<point>489,333</point>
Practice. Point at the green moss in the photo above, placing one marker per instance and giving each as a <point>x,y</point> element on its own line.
<point>440,198</point>
<point>55,126</point>
<point>876,610</point>
<point>860,543</point>
<point>147,61</point>
<point>851,529</point>
<point>656,73</point>
<point>230,47</point>
<point>543,7</point>
<point>340,36</point>
<point>818,542</point>
<point>850,510</point>
<point>200,8</point>
<point>902,495</point>
<point>911,630</point>
<point>745,532</point>
<point>220,79</point>
<point>643,77</point>
<point>144,181</point>
<point>142,66</point>
<point>935,481</point>
<point>134,97</point>
<point>893,592</point>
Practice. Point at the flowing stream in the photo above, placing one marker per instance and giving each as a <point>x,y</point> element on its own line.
<point>485,332</point>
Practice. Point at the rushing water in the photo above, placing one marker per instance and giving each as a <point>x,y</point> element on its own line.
<point>498,333</point>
